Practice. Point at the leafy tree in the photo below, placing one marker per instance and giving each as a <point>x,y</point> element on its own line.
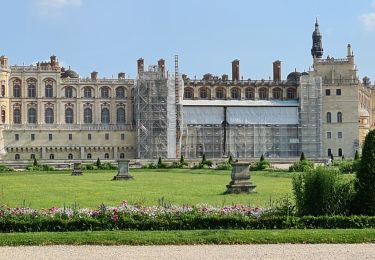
<point>302,158</point>
<point>364,202</point>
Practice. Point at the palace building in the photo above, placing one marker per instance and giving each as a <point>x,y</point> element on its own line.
<point>50,113</point>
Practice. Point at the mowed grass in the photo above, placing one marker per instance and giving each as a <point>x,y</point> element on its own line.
<point>190,237</point>
<point>175,186</point>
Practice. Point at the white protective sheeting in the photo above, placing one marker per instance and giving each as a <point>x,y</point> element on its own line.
<point>241,103</point>
<point>203,115</point>
<point>262,115</point>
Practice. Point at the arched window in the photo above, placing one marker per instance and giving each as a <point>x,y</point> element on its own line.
<point>122,155</point>
<point>51,156</point>
<point>329,119</point>
<point>105,115</point>
<point>70,156</point>
<point>31,116</point>
<point>220,93</point>
<point>17,157</point>
<point>339,117</point>
<point>89,156</point>
<point>329,152</point>
<point>277,93</point>
<point>203,93</point>
<point>188,93</point>
<point>32,156</point>
<point>49,91</point>
<point>3,116</point>
<point>235,93</point>
<point>87,116</point>
<point>48,116</point>
<point>69,115</point>
<point>263,93</point>
<point>104,92</point>
<point>106,156</point>
<point>121,115</point>
<point>31,90</point>
<point>68,92</point>
<point>17,116</point>
<point>87,92</point>
<point>16,91</point>
<point>120,92</point>
<point>340,152</point>
<point>249,93</point>
<point>2,89</point>
<point>291,93</point>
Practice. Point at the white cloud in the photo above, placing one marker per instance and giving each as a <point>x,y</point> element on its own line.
<point>51,8</point>
<point>368,20</point>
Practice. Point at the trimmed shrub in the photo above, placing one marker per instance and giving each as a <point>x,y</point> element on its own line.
<point>346,166</point>
<point>4,168</point>
<point>302,158</point>
<point>261,165</point>
<point>40,167</point>
<point>224,166</point>
<point>323,191</point>
<point>98,163</point>
<point>364,202</point>
<point>356,156</point>
<point>301,166</point>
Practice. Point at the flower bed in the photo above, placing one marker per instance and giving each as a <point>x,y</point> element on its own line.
<point>128,217</point>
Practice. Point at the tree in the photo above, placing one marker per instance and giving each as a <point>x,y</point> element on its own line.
<point>98,163</point>
<point>182,160</point>
<point>364,202</point>
<point>262,158</point>
<point>35,162</point>
<point>230,160</point>
<point>356,156</point>
<point>302,158</point>
<point>203,158</point>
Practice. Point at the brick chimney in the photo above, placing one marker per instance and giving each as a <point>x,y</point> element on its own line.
<point>161,65</point>
<point>140,66</point>
<point>121,76</point>
<point>94,75</point>
<point>236,70</point>
<point>277,70</point>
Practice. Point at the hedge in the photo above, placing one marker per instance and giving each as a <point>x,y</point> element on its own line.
<point>185,221</point>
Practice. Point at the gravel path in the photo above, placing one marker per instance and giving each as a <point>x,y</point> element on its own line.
<point>278,251</point>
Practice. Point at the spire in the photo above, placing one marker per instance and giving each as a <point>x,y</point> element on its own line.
<point>317,47</point>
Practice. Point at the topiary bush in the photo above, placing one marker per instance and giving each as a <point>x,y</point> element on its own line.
<point>301,166</point>
<point>323,191</point>
<point>346,166</point>
<point>4,168</point>
<point>261,165</point>
<point>364,202</point>
<point>224,166</point>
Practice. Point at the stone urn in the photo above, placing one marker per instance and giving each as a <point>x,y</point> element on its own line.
<point>77,171</point>
<point>123,171</point>
<point>240,182</point>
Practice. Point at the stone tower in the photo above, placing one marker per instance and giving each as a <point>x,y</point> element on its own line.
<point>317,47</point>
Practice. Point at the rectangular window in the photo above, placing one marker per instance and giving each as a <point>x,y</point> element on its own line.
<point>106,136</point>
<point>339,135</point>
<point>338,92</point>
<point>122,136</point>
<point>328,92</point>
<point>70,136</point>
<point>89,136</point>
<point>32,137</point>
<point>50,137</point>
<point>329,135</point>
<point>16,137</point>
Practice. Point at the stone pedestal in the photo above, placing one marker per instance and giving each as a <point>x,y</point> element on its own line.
<point>123,171</point>
<point>240,179</point>
<point>77,169</point>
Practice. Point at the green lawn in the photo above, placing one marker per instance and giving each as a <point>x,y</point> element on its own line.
<point>193,237</point>
<point>177,186</point>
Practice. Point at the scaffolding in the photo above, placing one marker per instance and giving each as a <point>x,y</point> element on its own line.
<point>155,114</point>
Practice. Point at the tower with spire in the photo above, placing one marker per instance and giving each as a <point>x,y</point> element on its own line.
<point>317,47</point>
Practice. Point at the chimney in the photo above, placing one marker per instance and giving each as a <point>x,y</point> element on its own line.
<point>224,77</point>
<point>236,70</point>
<point>184,77</point>
<point>121,76</point>
<point>4,61</point>
<point>94,75</point>
<point>140,66</point>
<point>277,70</point>
<point>161,65</point>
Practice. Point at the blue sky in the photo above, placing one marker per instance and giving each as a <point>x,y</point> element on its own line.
<point>109,36</point>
